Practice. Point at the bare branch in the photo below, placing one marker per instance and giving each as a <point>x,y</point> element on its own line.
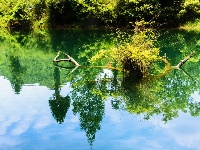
<point>70,59</point>
<point>55,59</point>
<point>184,60</point>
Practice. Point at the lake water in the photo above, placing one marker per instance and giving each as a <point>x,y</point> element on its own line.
<point>49,106</point>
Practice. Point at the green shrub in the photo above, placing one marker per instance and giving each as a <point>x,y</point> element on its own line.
<point>15,14</point>
<point>117,13</point>
<point>136,10</point>
<point>135,55</point>
<point>191,11</point>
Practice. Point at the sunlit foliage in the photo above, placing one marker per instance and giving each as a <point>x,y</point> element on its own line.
<point>96,13</point>
<point>190,11</point>
<point>134,55</point>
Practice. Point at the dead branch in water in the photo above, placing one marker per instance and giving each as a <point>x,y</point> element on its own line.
<point>184,60</point>
<point>168,66</point>
<point>70,59</point>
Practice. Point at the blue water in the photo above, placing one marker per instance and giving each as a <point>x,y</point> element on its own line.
<point>26,123</point>
<point>33,91</point>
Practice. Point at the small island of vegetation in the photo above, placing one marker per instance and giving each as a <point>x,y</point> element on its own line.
<point>135,53</point>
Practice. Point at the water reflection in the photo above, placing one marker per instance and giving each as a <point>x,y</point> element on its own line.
<point>168,96</point>
<point>91,89</point>
<point>16,74</point>
<point>149,96</point>
<point>59,105</point>
<point>88,102</point>
<point>90,106</point>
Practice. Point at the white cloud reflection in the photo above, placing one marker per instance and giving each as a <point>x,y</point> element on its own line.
<point>135,133</point>
<point>195,96</point>
<point>26,119</point>
<point>23,112</point>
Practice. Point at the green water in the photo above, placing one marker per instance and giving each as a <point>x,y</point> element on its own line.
<point>44,105</point>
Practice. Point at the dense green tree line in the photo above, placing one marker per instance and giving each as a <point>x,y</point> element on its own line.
<point>96,13</point>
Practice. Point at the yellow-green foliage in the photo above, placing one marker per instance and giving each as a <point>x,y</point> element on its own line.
<point>42,13</point>
<point>192,25</point>
<point>187,2</point>
<point>139,49</point>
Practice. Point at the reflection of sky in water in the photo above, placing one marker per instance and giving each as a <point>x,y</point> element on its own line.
<point>26,122</point>
<point>195,96</point>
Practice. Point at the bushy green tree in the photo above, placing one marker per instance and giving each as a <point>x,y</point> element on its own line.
<point>190,11</point>
<point>134,55</point>
<point>15,14</point>
<point>136,10</point>
<point>169,12</point>
<point>96,13</point>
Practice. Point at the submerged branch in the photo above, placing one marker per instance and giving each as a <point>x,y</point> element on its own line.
<point>73,70</point>
<point>70,59</point>
<point>188,75</point>
<point>168,65</point>
<point>59,60</point>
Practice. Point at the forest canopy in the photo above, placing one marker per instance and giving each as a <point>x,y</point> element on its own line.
<point>96,13</point>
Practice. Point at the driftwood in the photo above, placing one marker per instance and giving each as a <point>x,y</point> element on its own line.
<point>70,59</point>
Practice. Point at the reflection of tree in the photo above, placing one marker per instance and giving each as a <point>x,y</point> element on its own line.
<point>17,72</point>
<point>166,96</point>
<point>87,102</point>
<point>139,97</point>
<point>59,105</point>
<point>179,43</point>
<point>194,108</point>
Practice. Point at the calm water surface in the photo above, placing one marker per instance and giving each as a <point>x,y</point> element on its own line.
<point>46,106</point>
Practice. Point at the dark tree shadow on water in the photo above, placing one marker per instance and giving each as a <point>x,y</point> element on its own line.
<point>17,71</point>
<point>59,105</point>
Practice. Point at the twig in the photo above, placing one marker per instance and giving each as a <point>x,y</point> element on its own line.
<point>70,59</point>
<point>184,60</point>
<point>60,60</point>
<point>55,59</point>
<point>73,70</point>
